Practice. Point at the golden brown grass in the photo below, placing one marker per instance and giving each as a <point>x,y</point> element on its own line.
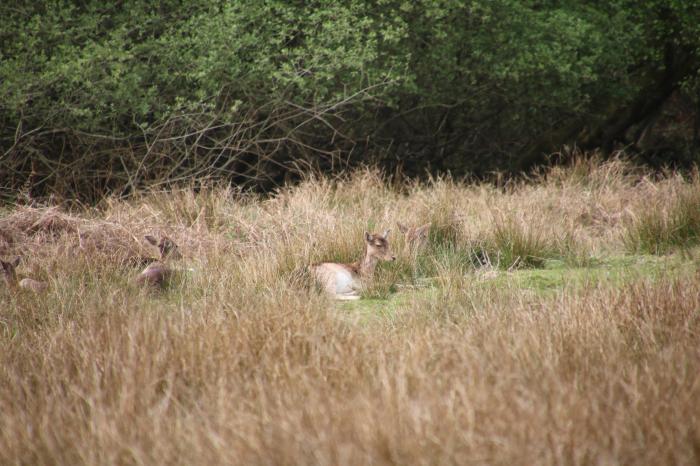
<point>236,363</point>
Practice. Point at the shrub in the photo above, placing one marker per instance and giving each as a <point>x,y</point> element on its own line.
<point>99,97</point>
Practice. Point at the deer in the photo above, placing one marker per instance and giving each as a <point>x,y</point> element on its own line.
<point>415,238</point>
<point>343,281</point>
<point>158,271</point>
<point>9,273</point>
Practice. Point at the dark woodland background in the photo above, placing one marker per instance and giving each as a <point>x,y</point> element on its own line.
<point>99,98</point>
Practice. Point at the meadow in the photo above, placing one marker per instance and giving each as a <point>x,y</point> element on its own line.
<point>550,320</point>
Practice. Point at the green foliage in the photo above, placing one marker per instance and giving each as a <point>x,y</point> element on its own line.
<point>156,91</point>
<point>117,68</point>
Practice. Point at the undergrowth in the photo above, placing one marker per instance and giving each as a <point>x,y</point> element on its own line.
<point>520,327</point>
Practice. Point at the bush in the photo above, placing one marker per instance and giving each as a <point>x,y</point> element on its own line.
<point>97,97</point>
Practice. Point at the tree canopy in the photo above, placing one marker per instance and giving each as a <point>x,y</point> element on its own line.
<point>98,96</point>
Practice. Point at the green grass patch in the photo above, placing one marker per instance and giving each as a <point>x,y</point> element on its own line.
<point>613,271</point>
<point>554,276</point>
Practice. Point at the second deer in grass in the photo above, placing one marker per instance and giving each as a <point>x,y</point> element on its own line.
<point>415,238</point>
<point>9,274</point>
<point>344,281</point>
<point>158,272</point>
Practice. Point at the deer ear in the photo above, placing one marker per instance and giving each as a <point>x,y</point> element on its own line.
<point>15,262</point>
<point>151,240</point>
<point>402,228</point>
<point>368,237</point>
<point>386,233</point>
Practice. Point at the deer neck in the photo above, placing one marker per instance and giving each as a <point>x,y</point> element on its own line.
<point>367,264</point>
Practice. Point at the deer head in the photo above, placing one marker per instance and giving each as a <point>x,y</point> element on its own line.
<point>8,271</point>
<point>415,237</point>
<point>166,247</point>
<point>378,246</point>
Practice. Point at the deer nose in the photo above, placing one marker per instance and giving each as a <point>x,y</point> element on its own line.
<point>393,258</point>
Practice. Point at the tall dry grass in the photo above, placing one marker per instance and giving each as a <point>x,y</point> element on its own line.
<point>237,363</point>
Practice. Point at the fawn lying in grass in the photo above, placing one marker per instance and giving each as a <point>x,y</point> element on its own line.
<point>158,271</point>
<point>343,281</point>
<point>10,275</point>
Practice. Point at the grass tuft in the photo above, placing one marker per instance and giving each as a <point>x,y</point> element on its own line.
<point>513,245</point>
<point>664,227</point>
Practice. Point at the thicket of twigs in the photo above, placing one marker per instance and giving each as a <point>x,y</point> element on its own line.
<point>109,98</point>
